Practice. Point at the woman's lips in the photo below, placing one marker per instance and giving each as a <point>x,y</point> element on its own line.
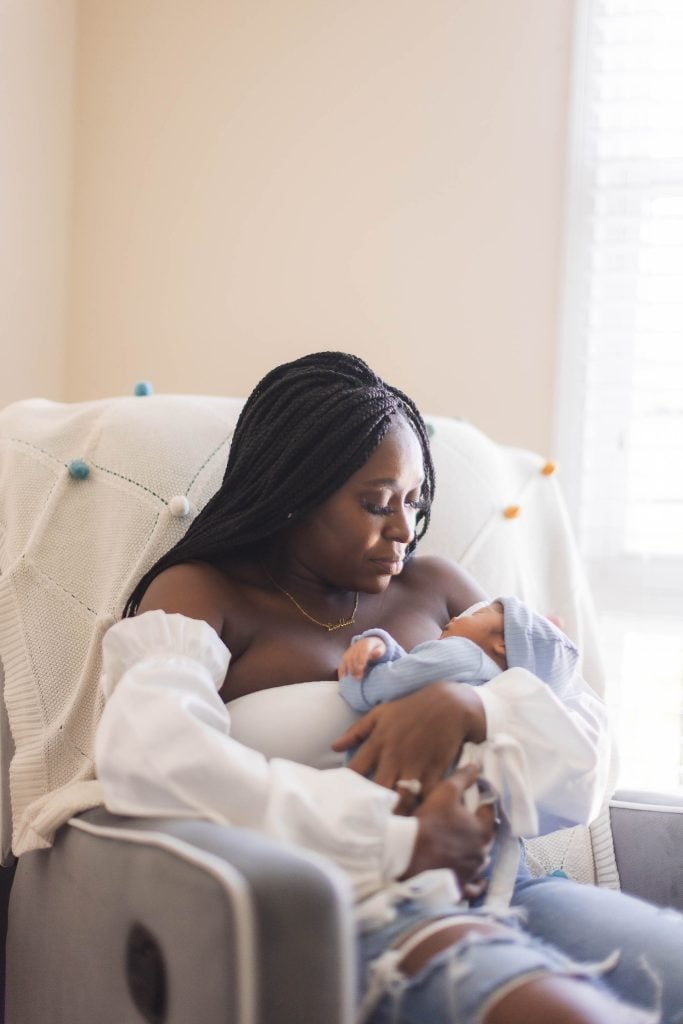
<point>389,566</point>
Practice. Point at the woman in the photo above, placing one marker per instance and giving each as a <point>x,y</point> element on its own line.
<point>310,538</point>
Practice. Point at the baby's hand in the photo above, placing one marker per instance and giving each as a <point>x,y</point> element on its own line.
<point>356,657</point>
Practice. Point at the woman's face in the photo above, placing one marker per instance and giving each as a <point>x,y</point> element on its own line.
<point>357,539</point>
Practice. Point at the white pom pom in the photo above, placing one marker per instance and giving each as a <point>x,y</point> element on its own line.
<point>179,506</point>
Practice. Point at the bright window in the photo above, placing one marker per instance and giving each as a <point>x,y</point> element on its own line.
<point>620,408</point>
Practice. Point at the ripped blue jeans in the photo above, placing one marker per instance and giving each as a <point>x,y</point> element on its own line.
<point>621,945</point>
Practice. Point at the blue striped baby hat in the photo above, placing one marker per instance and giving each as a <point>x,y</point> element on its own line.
<point>535,643</point>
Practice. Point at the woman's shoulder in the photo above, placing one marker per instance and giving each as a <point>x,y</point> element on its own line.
<point>194,589</point>
<point>434,569</point>
<point>433,566</point>
<point>444,578</point>
<point>225,600</point>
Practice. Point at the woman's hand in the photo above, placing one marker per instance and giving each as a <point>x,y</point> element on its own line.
<point>417,737</point>
<point>450,836</point>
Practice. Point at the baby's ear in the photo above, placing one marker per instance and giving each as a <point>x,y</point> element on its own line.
<point>499,643</point>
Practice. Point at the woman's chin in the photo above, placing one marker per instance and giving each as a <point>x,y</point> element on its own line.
<point>377,584</point>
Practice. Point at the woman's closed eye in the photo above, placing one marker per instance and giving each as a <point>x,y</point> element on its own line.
<point>377,510</point>
<point>416,504</point>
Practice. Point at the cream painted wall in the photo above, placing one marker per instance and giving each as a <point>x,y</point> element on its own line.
<point>37,39</point>
<point>256,180</point>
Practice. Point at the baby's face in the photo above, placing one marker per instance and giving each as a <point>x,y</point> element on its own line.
<point>484,628</point>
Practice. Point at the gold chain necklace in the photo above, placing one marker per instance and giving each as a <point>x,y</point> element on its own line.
<point>331,627</point>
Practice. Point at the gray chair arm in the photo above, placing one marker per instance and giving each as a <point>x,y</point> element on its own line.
<point>647,829</point>
<point>177,922</point>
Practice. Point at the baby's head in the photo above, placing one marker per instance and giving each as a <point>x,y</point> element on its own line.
<point>485,626</point>
<point>514,635</point>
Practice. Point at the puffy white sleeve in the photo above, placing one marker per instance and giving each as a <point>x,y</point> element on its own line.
<point>547,754</point>
<point>163,748</point>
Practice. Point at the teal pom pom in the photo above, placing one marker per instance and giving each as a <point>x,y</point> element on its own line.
<point>430,429</point>
<point>143,387</point>
<point>79,469</point>
<point>558,873</point>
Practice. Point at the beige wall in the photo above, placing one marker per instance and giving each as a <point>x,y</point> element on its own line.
<point>255,180</point>
<point>36,120</point>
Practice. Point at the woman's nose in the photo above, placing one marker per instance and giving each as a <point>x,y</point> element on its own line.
<point>401,526</point>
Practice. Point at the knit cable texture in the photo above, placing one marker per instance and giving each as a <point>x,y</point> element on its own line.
<point>71,548</point>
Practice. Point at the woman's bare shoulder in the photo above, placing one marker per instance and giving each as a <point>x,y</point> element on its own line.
<point>195,589</point>
<point>446,578</point>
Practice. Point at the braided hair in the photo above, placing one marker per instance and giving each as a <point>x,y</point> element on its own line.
<point>307,426</point>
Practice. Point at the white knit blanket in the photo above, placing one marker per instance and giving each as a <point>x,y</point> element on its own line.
<point>71,550</point>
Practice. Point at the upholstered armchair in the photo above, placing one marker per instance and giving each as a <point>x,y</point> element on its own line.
<point>123,920</point>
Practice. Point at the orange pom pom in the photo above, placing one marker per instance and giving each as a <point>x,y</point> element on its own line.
<point>549,468</point>
<point>512,511</point>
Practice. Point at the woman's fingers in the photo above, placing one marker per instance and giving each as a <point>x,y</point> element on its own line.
<point>486,813</point>
<point>449,835</point>
<point>462,778</point>
<point>473,890</point>
<point>412,791</point>
<point>357,732</point>
<point>388,769</point>
<point>393,751</point>
<point>416,737</point>
<point>364,761</point>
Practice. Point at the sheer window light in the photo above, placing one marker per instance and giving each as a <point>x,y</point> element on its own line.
<point>620,401</point>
